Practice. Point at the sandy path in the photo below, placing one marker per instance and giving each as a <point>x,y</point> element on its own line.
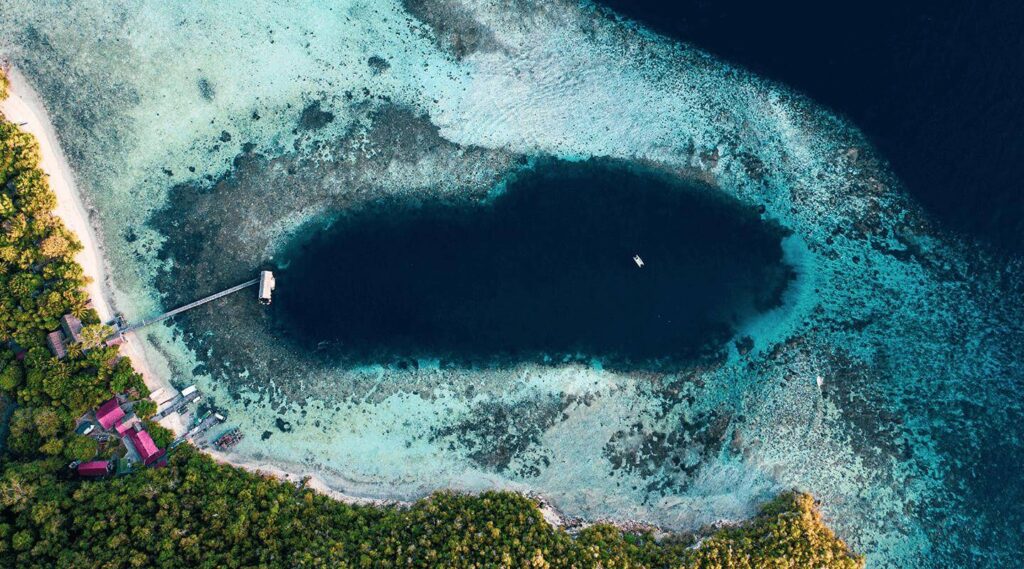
<point>24,108</point>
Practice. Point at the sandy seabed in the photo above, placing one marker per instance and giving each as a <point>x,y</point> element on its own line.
<point>25,108</point>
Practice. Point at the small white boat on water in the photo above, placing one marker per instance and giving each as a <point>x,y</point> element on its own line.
<point>639,262</point>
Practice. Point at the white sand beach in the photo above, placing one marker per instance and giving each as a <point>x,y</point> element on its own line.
<point>24,107</point>
<point>312,481</point>
<point>551,514</point>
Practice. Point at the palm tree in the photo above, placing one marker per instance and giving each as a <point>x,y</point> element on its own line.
<point>95,335</point>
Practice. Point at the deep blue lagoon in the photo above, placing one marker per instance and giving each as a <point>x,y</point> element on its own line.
<point>543,269</point>
<point>887,382</point>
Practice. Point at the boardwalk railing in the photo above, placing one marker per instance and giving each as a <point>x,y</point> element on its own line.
<point>188,306</point>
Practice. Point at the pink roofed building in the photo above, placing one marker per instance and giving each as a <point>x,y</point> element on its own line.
<point>145,446</point>
<point>125,425</point>
<point>95,468</point>
<point>109,413</point>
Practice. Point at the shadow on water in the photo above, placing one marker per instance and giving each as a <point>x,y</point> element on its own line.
<point>542,272</point>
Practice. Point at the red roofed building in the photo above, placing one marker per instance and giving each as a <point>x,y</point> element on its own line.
<point>95,468</point>
<point>109,413</point>
<point>145,446</point>
<point>124,426</point>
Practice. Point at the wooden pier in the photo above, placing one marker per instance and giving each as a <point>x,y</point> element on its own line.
<point>203,426</point>
<point>187,395</point>
<point>188,306</point>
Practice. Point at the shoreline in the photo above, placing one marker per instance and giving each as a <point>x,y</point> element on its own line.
<point>26,109</point>
<point>312,480</point>
<point>552,515</point>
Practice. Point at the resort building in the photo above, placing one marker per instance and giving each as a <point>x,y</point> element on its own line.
<point>108,414</point>
<point>70,332</point>
<point>119,425</point>
<point>144,445</point>
<point>72,327</point>
<point>267,285</point>
<point>125,425</point>
<point>95,468</point>
<point>55,341</point>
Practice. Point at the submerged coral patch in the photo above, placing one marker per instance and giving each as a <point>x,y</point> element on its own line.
<point>887,382</point>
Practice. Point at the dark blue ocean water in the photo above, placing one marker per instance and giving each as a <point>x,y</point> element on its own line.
<point>938,86</point>
<point>544,269</point>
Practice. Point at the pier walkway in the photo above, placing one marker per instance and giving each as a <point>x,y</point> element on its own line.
<point>188,306</point>
<point>187,395</point>
<point>206,424</point>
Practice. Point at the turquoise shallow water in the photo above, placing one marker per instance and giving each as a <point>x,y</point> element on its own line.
<point>206,135</point>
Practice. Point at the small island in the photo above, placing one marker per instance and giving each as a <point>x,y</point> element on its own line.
<point>178,507</point>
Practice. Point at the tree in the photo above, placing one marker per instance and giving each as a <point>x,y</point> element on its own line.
<point>6,206</point>
<point>22,540</point>
<point>95,335</point>
<point>145,408</point>
<point>11,377</point>
<point>197,513</point>
<point>47,421</point>
<point>161,437</point>
<point>80,448</point>
<point>54,246</point>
